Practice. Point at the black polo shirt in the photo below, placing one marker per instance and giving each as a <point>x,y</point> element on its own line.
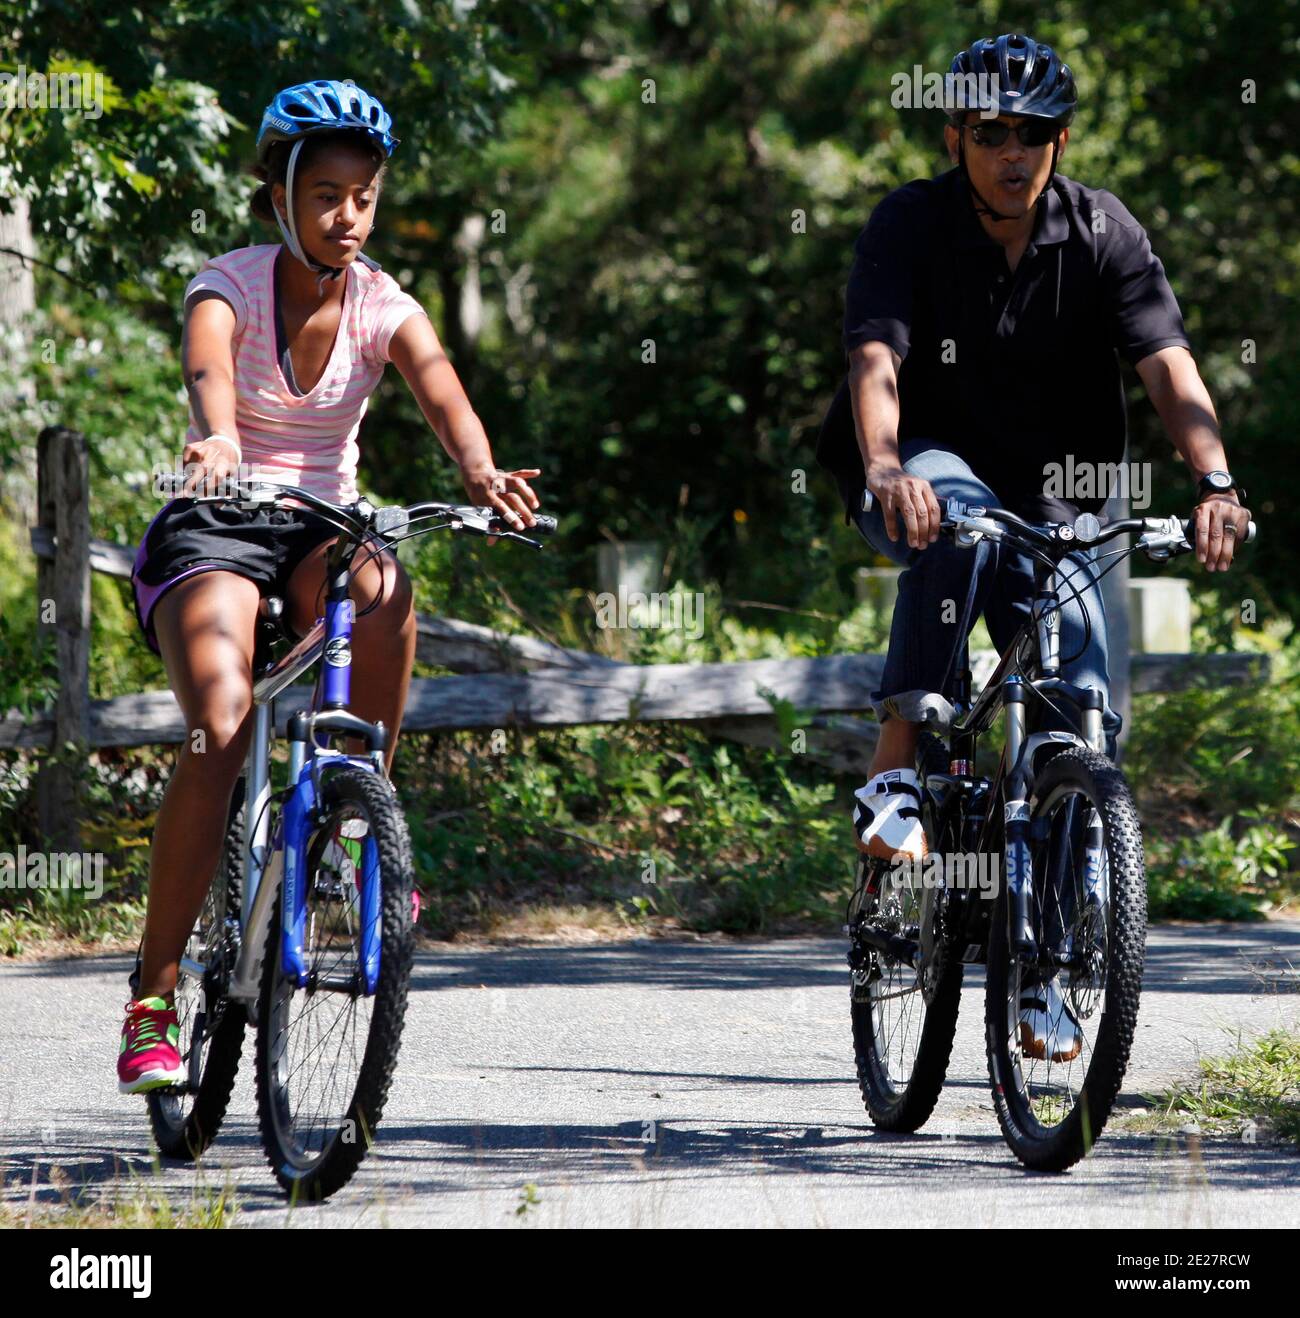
<point>1012,371</point>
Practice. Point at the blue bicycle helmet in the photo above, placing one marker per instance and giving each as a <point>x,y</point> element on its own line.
<point>323,106</point>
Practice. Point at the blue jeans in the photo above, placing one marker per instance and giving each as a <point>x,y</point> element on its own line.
<point>924,644</point>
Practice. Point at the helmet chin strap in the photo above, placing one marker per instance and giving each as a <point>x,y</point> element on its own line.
<point>290,234</point>
<point>981,206</point>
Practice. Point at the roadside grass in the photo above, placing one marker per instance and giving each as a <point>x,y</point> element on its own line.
<point>563,923</point>
<point>130,1202</point>
<point>1252,1093</point>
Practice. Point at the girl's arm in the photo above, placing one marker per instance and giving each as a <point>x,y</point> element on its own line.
<point>208,368</point>
<point>415,351</point>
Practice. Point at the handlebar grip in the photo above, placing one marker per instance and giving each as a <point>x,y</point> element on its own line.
<point>543,525</point>
<point>1249,538</point>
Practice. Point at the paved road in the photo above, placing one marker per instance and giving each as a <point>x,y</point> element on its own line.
<point>669,1084</point>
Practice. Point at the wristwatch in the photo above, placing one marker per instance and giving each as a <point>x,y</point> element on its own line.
<point>1218,482</point>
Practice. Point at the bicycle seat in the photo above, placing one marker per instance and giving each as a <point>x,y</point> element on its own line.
<point>272,627</point>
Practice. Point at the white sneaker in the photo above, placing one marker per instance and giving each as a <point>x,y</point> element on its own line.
<point>887,816</point>
<point>1047,1025</point>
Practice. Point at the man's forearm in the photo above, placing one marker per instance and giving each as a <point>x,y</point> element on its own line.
<point>873,389</point>
<point>1185,409</point>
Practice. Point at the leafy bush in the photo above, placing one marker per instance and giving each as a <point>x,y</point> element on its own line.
<point>1224,873</point>
<point>1217,774</point>
<point>649,819</point>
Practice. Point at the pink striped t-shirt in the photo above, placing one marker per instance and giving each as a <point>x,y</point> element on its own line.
<point>310,439</point>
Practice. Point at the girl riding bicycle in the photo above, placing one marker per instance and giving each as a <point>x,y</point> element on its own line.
<point>283,345</point>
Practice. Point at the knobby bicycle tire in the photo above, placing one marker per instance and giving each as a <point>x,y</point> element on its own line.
<point>186,1134</point>
<point>1069,1140</point>
<point>317,1178</point>
<point>905,1110</point>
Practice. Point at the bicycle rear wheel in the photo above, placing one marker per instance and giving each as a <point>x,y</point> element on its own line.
<point>326,1053</point>
<point>1053,1094</point>
<point>904,1022</point>
<point>185,1120</point>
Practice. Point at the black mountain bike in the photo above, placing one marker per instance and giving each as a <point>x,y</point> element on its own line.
<point>1037,873</point>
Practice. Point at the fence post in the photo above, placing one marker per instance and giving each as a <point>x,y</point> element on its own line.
<point>63,607</point>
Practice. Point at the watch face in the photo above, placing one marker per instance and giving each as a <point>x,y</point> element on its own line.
<point>1220,480</point>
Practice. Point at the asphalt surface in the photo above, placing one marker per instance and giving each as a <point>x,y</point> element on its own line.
<point>662,1084</point>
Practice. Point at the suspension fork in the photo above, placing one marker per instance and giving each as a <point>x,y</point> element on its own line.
<point>1016,814</point>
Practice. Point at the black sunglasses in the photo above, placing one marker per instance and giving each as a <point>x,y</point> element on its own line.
<point>1033,132</point>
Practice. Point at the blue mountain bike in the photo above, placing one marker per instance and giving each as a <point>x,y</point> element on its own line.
<point>307,930</point>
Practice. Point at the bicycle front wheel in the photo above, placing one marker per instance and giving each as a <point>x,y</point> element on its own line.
<point>1059,1026</point>
<point>326,1052</point>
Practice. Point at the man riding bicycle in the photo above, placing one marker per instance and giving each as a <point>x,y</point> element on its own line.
<point>983,316</point>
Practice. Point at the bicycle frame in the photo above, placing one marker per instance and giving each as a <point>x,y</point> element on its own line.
<point>1034,652</point>
<point>274,865</point>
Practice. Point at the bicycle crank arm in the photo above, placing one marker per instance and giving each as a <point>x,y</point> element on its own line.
<point>906,950</point>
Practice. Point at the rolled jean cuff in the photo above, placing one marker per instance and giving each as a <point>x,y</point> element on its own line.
<point>925,707</point>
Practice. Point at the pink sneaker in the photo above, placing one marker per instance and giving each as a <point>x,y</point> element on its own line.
<point>148,1058</point>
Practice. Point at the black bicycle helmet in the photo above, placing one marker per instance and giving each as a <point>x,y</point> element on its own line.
<point>1031,78</point>
<point>1031,81</point>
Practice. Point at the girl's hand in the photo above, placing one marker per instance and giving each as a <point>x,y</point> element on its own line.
<point>506,491</point>
<point>214,461</point>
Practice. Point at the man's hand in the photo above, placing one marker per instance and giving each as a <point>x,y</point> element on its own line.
<point>506,491</point>
<point>908,497</point>
<point>1220,521</point>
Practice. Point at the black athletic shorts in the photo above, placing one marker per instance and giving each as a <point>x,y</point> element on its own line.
<point>262,544</point>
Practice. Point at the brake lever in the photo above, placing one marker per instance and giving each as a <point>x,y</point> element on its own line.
<point>514,535</point>
<point>480,525</point>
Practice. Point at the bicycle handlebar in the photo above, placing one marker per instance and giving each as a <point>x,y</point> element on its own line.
<point>389,521</point>
<point>1160,536</point>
